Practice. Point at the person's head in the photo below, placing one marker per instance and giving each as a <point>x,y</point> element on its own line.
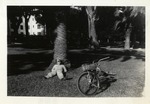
<point>58,61</point>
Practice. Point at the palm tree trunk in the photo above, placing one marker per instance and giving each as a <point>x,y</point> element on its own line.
<point>127,38</point>
<point>60,46</point>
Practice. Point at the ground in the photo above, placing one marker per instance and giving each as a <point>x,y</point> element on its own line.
<point>26,68</point>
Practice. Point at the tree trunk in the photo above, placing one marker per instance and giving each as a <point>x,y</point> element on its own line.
<point>93,33</point>
<point>26,26</point>
<point>60,47</point>
<point>91,26</point>
<point>133,43</point>
<point>127,38</point>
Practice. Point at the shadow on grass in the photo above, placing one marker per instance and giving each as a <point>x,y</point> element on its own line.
<point>39,61</point>
<point>26,63</point>
<point>88,56</point>
<point>104,85</point>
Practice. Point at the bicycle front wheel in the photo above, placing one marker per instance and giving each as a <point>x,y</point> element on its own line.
<point>88,84</point>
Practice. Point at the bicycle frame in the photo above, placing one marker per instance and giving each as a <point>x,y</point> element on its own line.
<point>93,76</point>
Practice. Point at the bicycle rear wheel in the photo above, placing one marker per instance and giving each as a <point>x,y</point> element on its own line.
<point>88,84</point>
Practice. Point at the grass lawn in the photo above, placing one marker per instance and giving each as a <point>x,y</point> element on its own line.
<point>26,68</point>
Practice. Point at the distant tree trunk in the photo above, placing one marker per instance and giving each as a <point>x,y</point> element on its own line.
<point>26,26</point>
<point>9,31</point>
<point>91,12</point>
<point>47,29</point>
<point>127,37</point>
<point>12,34</point>
<point>133,40</point>
<point>13,25</point>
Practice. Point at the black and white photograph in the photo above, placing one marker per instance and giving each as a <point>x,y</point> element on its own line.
<point>76,51</point>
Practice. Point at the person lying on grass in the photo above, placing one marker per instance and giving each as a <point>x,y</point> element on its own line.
<point>59,69</point>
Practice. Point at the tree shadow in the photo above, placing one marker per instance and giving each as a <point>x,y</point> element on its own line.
<point>112,58</point>
<point>24,63</point>
<point>125,58</point>
<point>88,56</point>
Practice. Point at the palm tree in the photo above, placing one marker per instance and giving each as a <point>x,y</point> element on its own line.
<point>60,44</point>
<point>125,21</point>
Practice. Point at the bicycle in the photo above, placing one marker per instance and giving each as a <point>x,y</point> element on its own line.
<point>93,78</point>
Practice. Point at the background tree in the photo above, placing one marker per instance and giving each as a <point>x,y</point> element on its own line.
<point>14,19</point>
<point>91,13</point>
<point>91,18</point>
<point>126,21</point>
